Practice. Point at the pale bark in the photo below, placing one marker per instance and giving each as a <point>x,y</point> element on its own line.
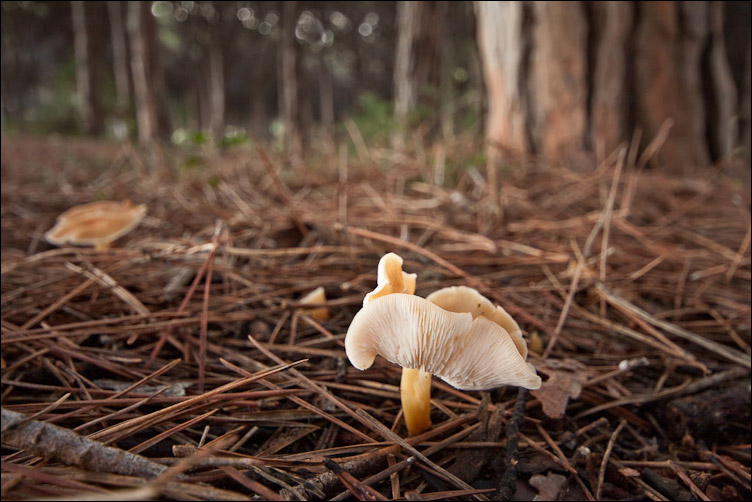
<point>501,41</point>
<point>567,79</point>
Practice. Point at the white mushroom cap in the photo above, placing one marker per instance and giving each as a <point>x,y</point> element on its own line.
<point>96,223</point>
<point>464,299</point>
<point>415,333</point>
<point>391,279</point>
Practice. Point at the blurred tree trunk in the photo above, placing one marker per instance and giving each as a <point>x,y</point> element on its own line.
<point>566,79</point>
<point>119,56</point>
<point>611,24</point>
<point>216,87</point>
<point>417,65</point>
<point>326,102</point>
<point>724,123</point>
<point>290,79</point>
<point>87,47</point>
<point>148,76</point>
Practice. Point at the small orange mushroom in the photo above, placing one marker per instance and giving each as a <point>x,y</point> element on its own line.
<point>96,224</point>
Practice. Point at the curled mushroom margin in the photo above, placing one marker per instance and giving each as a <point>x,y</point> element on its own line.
<point>467,353</point>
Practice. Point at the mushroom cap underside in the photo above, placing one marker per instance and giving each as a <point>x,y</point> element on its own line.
<point>415,333</point>
<point>465,299</point>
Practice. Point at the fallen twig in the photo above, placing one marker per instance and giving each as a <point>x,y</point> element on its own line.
<point>57,444</point>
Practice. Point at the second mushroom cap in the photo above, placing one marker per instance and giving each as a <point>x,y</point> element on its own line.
<point>96,224</point>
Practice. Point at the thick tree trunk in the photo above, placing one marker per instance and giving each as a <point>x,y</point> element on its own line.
<point>571,78</point>
<point>87,50</point>
<point>503,46</point>
<point>667,73</point>
<point>557,79</point>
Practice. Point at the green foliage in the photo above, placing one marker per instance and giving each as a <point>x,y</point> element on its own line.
<point>57,106</point>
<point>200,137</point>
<point>192,162</point>
<point>234,137</point>
<point>374,118</point>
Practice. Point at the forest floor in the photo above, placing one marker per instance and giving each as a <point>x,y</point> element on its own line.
<point>185,349</point>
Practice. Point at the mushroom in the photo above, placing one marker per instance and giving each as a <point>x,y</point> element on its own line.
<point>464,299</point>
<point>316,296</point>
<point>468,352</point>
<point>415,384</point>
<point>391,278</point>
<point>96,224</point>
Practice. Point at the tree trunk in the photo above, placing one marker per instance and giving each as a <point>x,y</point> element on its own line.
<point>289,81</point>
<point>119,55</point>
<point>326,103</point>
<point>667,72</point>
<point>557,79</point>
<point>216,88</point>
<point>87,49</point>
<point>570,78</point>
<point>723,120</point>
<point>612,24</point>
<point>503,46</point>
<point>417,66</point>
<point>156,72</point>
<point>148,78</point>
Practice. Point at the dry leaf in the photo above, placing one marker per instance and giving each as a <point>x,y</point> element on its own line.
<point>555,393</point>
<point>548,486</point>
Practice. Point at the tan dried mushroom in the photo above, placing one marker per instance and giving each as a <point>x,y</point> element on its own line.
<point>96,224</point>
<point>457,343</point>
<point>317,296</point>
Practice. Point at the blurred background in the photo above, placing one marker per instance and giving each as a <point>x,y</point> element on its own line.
<point>564,80</point>
<point>585,165</point>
